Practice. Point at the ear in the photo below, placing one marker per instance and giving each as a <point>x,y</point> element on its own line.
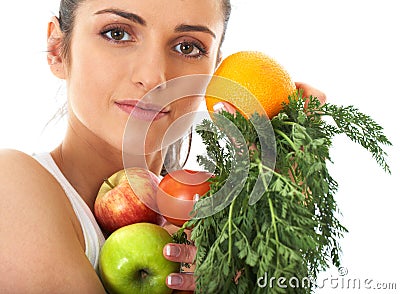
<point>54,42</point>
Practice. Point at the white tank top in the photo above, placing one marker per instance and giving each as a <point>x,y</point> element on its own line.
<point>94,238</point>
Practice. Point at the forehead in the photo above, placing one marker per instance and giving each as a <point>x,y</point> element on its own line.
<point>163,13</point>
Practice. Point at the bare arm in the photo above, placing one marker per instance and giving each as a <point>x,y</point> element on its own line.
<point>40,248</point>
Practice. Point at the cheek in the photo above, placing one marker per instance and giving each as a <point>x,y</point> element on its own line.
<point>87,91</point>
<point>92,76</point>
<point>187,105</point>
<point>185,112</point>
<point>90,89</point>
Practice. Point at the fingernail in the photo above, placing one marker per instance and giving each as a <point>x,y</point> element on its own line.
<point>172,250</point>
<point>196,197</point>
<point>174,280</point>
<point>218,107</point>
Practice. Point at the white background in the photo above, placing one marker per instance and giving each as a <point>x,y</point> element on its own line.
<point>347,48</point>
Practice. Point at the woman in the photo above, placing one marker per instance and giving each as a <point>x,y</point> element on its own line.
<point>110,56</point>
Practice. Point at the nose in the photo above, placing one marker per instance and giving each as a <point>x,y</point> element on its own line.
<point>150,70</point>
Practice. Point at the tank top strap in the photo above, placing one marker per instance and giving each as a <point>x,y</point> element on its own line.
<point>94,238</point>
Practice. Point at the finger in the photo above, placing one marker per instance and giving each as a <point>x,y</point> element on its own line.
<point>218,107</point>
<point>311,91</point>
<point>181,281</point>
<point>179,252</point>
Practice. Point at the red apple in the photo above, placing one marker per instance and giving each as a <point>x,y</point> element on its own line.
<point>127,197</point>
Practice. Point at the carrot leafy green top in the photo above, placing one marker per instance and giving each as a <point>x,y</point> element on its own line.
<point>291,230</point>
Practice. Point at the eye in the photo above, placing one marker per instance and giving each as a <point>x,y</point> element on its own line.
<point>117,34</point>
<point>187,48</point>
<point>190,49</point>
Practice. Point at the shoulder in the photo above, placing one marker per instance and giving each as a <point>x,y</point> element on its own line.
<point>14,161</point>
<point>39,238</point>
<point>25,182</point>
<point>11,155</point>
<point>24,177</point>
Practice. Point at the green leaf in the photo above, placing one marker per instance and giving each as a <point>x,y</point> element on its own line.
<point>293,229</point>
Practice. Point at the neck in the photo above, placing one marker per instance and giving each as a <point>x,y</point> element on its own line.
<point>86,160</point>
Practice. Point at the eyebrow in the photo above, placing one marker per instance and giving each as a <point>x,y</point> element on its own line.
<point>194,28</point>
<point>128,15</point>
<point>137,19</point>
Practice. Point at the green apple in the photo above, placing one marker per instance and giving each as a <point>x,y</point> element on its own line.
<point>132,260</point>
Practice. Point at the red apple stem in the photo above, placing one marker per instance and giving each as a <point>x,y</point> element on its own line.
<point>109,183</point>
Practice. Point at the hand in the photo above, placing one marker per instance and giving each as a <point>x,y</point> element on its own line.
<point>180,253</point>
<point>311,91</point>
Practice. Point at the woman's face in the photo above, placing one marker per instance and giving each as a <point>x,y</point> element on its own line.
<point>122,49</point>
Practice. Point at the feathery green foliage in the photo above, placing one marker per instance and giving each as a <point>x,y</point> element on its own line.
<point>292,231</point>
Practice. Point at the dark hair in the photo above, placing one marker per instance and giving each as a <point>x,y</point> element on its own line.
<point>67,14</point>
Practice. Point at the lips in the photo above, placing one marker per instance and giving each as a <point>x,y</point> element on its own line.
<point>141,110</point>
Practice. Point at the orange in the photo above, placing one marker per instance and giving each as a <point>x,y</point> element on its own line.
<point>252,82</point>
